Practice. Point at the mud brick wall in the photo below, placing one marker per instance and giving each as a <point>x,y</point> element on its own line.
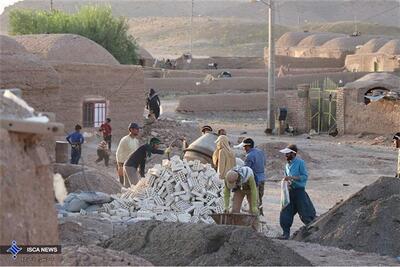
<point>297,106</point>
<point>308,62</point>
<point>381,117</point>
<point>122,87</point>
<point>365,62</point>
<point>26,198</point>
<point>242,84</point>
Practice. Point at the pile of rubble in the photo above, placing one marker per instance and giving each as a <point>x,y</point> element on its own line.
<point>176,191</point>
<point>369,221</point>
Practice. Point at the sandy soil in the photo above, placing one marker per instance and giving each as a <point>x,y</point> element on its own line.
<point>338,167</point>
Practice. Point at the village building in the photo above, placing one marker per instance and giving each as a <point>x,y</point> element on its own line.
<point>75,78</point>
<point>380,54</point>
<point>370,104</point>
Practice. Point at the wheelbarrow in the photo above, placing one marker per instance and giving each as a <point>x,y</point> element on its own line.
<point>236,219</point>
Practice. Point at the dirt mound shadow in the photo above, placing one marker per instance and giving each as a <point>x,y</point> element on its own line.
<point>368,221</point>
<point>180,244</point>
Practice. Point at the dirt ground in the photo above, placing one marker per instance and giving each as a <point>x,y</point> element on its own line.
<point>338,166</point>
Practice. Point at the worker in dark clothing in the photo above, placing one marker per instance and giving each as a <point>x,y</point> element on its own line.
<point>76,140</point>
<point>138,160</point>
<point>153,103</point>
<point>106,129</point>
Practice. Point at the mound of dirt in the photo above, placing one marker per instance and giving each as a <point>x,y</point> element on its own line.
<point>168,130</point>
<point>96,256</point>
<point>92,180</point>
<point>165,243</point>
<point>276,161</point>
<point>68,169</point>
<point>84,231</point>
<point>368,221</point>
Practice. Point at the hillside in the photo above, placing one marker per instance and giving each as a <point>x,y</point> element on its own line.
<point>234,27</point>
<point>211,36</point>
<point>349,26</point>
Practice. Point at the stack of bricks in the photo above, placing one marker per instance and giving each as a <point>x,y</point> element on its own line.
<point>174,191</point>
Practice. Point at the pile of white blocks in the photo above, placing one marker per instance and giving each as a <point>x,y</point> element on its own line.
<point>176,191</point>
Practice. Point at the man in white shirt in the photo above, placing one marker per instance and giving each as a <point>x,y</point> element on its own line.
<point>127,145</point>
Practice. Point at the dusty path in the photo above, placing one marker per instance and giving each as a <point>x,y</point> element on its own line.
<point>337,168</point>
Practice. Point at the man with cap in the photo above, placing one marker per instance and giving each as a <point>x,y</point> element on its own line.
<point>396,142</point>
<point>206,129</point>
<point>240,180</point>
<point>137,160</point>
<point>127,145</point>
<point>255,159</point>
<point>296,174</point>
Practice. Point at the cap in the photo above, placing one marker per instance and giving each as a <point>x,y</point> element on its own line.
<point>289,149</point>
<point>231,179</point>
<point>206,128</point>
<point>134,125</point>
<point>396,136</point>
<point>155,141</point>
<point>245,142</point>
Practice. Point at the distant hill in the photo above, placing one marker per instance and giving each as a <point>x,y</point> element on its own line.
<point>233,27</point>
<point>349,27</point>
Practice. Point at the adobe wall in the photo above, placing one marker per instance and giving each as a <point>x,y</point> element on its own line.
<point>353,117</point>
<point>365,62</point>
<point>121,85</point>
<point>336,61</point>
<point>223,63</point>
<point>297,106</point>
<point>37,80</point>
<point>166,73</point>
<point>242,84</point>
<point>26,198</point>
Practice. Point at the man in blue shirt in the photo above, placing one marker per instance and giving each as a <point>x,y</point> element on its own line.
<point>76,140</point>
<point>296,174</point>
<point>255,159</point>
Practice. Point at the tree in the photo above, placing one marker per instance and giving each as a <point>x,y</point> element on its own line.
<point>94,22</point>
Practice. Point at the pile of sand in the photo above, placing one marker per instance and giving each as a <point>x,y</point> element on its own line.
<point>96,256</point>
<point>178,244</point>
<point>368,221</point>
<point>168,130</point>
<point>92,180</point>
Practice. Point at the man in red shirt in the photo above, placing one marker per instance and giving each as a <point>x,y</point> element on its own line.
<point>106,129</point>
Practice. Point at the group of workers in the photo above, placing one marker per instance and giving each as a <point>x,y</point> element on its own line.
<point>242,179</point>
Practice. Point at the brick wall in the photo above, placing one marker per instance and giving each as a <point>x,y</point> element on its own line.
<point>365,62</point>
<point>122,86</point>
<point>297,106</point>
<point>242,84</point>
<point>353,116</point>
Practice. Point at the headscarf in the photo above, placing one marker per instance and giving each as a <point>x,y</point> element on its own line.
<point>224,157</point>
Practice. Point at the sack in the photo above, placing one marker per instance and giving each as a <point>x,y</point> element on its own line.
<point>285,198</point>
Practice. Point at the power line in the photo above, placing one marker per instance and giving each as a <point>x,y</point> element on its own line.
<point>380,13</point>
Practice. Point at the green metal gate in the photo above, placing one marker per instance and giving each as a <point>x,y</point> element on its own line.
<point>322,107</point>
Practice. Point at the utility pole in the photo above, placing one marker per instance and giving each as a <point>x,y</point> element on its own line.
<point>51,5</point>
<point>271,68</point>
<point>191,31</point>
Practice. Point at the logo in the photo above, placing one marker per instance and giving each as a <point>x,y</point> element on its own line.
<point>14,249</point>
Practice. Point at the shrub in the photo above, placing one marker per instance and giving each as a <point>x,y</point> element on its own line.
<point>94,22</point>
